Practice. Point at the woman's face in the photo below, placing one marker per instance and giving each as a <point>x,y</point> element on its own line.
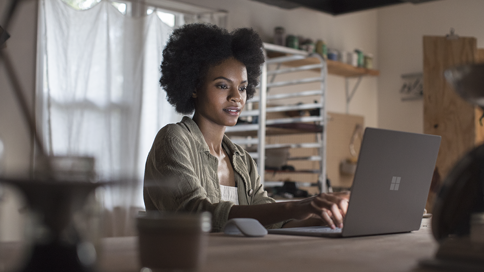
<point>222,97</point>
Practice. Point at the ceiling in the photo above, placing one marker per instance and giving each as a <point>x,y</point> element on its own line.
<point>337,7</point>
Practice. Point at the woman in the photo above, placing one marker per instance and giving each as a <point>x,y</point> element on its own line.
<point>192,165</point>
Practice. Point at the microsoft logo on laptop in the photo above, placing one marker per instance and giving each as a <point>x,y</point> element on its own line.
<point>395,183</point>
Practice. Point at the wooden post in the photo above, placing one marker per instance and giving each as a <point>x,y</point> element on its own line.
<point>479,111</point>
<point>445,113</point>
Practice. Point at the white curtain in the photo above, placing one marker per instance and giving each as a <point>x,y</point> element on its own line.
<point>100,94</point>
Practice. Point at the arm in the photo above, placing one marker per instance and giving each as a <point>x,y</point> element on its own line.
<point>172,183</point>
<point>322,209</point>
<point>331,208</point>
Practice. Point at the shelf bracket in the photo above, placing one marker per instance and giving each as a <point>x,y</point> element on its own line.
<point>349,96</point>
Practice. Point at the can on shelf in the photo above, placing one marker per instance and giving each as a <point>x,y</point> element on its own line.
<point>333,55</point>
<point>292,42</point>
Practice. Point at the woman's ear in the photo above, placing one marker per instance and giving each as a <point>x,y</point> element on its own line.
<point>194,94</point>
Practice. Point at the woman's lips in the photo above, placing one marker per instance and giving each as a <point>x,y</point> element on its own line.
<point>232,111</point>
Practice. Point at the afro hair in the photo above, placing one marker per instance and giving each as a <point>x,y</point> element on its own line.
<point>194,48</point>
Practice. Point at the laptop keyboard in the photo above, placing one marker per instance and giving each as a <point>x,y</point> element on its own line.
<point>314,229</point>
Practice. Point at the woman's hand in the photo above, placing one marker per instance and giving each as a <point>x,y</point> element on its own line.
<point>331,208</point>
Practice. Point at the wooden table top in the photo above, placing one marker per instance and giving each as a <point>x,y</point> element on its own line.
<point>397,252</point>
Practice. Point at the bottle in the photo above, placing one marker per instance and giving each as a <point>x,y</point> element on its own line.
<point>279,36</point>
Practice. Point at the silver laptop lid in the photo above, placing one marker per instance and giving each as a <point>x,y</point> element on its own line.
<point>391,182</point>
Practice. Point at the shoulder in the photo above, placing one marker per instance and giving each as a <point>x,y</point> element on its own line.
<point>172,132</point>
<point>175,138</point>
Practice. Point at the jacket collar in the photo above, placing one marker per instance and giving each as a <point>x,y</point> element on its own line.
<point>197,134</point>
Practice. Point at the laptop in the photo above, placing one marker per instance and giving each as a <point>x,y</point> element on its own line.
<point>390,186</point>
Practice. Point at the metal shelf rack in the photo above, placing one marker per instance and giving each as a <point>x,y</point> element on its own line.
<point>291,61</point>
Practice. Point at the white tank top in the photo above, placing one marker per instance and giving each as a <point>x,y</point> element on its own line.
<point>229,193</point>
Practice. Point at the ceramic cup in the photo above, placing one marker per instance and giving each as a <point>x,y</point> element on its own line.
<point>172,241</point>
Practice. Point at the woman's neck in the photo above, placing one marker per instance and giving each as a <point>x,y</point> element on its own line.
<point>212,133</point>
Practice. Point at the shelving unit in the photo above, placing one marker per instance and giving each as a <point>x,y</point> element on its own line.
<point>282,60</point>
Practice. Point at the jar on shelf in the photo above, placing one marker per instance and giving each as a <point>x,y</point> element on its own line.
<point>344,57</point>
<point>279,36</point>
<point>321,49</point>
<point>308,46</point>
<point>333,54</point>
<point>352,58</point>
<point>300,40</point>
<point>361,58</point>
<point>292,42</point>
<point>368,61</point>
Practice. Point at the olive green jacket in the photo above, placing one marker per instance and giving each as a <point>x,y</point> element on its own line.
<point>181,175</point>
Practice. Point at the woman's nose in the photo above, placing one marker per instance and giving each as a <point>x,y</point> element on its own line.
<point>235,95</point>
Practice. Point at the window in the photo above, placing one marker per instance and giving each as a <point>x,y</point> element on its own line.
<point>87,4</point>
<point>100,94</point>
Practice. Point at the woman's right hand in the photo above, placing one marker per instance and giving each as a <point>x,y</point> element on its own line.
<point>331,208</point>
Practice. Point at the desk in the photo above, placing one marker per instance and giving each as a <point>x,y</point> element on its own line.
<point>397,252</point>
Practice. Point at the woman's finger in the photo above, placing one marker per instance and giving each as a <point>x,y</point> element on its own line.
<point>337,216</point>
<point>328,214</point>
<point>327,218</point>
<point>336,207</point>
<point>344,194</point>
<point>341,202</point>
<point>344,206</point>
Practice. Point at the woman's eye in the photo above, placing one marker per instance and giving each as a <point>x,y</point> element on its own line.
<point>222,86</point>
<point>243,89</point>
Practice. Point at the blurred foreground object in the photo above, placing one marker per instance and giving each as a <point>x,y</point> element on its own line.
<point>173,242</point>
<point>64,231</point>
<point>460,202</point>
<point>3,38</point>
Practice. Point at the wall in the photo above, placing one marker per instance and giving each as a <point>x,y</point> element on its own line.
<point>346,32</point>
<point>400,32</point>
<point>357,30</point>
<point>21,48</point>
